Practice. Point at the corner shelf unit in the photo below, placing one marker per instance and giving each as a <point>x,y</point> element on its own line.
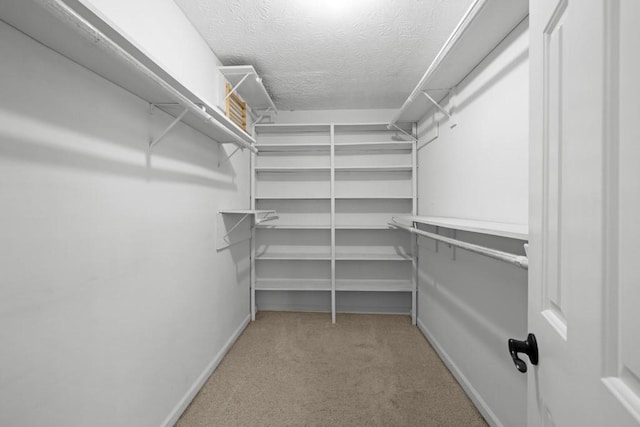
<point>245,82</point>
<point>481,29</point>
<point>80,33</point>
<point>335,188</point>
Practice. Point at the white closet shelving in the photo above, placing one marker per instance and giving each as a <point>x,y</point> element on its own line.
<point>80,33</point>
<point>513,231</point>
<point>230,220</point>
<point>484,25</point>
<point>335,188</point>
<point>246,82</point>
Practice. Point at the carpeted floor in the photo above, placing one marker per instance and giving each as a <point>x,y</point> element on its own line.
<point>297,369</point>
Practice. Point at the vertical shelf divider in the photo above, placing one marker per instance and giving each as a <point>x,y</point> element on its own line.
<point>414,239</point>
<point>333,224</point>
<point>252,261</point>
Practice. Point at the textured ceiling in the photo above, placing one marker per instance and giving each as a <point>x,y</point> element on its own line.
<point>329,54</point>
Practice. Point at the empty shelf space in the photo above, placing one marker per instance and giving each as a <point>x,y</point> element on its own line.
<point>363,227</point>
<point>373,257</point>
<point>380,276</point>
<point>299,213</point>
<point>377,128</point>
<point>293,169</point>
<point>293,284</point>
<point>303,128</point>
<point>380,197</point>
<point>379,184</point>
<point>360,285</point>
<point>381,145</point>
<point>294,227</point>
<point>247,212</point>
<point>309,184</point>
<point>372,244</point>
<point>369,213</point>
<point>381,168</point>
<point>293,256</point>
<point>305,197</point>
<point>288,148</point>
<point>287,243</point>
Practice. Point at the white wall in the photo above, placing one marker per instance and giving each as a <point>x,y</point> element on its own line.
<point>479,168</point>
<point>160,29</point>
<point>114,303</point>
<point>469,305</point>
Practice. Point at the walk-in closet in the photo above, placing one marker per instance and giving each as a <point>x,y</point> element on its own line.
<point>335,213</point>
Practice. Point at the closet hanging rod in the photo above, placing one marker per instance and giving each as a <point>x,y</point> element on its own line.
<point>85,26</point>
<point>517,260</point>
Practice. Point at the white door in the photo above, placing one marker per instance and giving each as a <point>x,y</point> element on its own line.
<point>584,254</point>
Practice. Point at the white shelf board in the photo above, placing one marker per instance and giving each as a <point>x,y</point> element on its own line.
<point>247,211</point>
<point>513,231</point>
<point>266,128</point>
<point>390,168</point>
<point>383,146</point>
<point>323,227</point>
<point>294,256</point>
<point>293,284</point>
<point>293,198</point>
<point>251,90</point>
<point>293,169</point>
<point>363,227</point>
<point>374,198</point>
<point>373,257</point>
<point>370,127</point>
<point>374,285</point>
<point>266,148</point>
<point>484,26</point>
<point>83,35</point>
<point>294,227</point>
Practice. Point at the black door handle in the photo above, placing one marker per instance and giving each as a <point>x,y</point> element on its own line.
<point>528,347</point>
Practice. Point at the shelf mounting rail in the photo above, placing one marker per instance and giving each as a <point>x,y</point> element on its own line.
<point>517,260</point>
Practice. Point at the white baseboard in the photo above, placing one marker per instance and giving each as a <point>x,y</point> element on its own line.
<point>175,414</point>
<point>300,308</point>
<point>473,394</point>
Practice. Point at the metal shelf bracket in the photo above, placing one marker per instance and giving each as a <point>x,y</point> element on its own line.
<point>233,89</point>
<point>452,122</point>
<point>413,138</point>
<point>158,138</point>
<point>224,240</point>
<point>228,158</point>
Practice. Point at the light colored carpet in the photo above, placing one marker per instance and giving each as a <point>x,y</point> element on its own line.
<point>297,369</point>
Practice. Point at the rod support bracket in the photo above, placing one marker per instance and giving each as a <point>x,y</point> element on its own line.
<point>228,158</point>
<point>452,122</point>
<point>157,139</point>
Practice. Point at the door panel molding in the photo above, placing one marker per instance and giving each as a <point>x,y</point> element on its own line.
<point>554,295</point>
<point>621,350</point>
